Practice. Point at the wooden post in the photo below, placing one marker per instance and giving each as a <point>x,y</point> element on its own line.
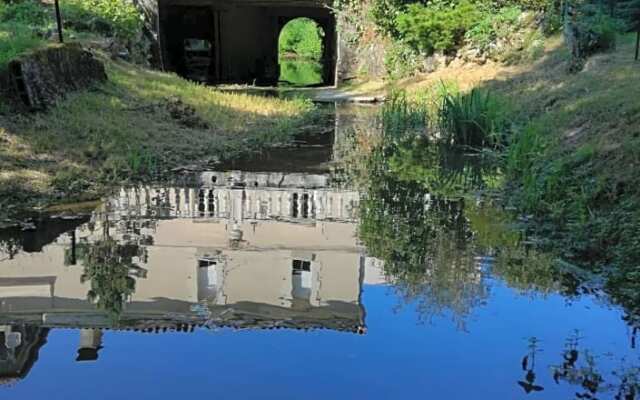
<point>59,22</point>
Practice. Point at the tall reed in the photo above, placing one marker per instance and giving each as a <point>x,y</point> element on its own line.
<point>400,116</point>
<point>471,119</point>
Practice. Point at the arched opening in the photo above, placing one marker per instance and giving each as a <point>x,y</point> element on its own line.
<point>301,53</point>
<point>191,44</point>
<point>229,41</point>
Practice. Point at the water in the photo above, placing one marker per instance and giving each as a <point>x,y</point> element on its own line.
<point>295,72</point>
<point>296,284</point>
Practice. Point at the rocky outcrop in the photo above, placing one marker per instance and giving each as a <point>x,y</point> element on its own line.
<point>37,80</point>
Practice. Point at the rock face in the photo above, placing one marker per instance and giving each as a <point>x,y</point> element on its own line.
<point>37,80</point>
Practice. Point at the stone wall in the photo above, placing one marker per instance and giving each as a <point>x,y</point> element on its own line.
<point>37,80</point>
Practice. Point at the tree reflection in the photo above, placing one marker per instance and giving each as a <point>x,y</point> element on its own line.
<point>9,248</point>
<point>420,216</point>
<point>442,170</point>
<point>423,240</point>
<point>111,266</point>
<point>107,268</point>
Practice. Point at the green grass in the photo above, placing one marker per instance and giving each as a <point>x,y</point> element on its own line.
<point>573,161</point>
<point>21,28</point>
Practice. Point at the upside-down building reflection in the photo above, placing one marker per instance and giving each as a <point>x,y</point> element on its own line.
<point>242,250</point>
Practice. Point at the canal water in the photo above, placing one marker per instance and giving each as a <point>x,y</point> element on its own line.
<point>325,279</point>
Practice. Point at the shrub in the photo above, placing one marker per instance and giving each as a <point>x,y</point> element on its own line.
<point>629,12</point>
<point>27,12</point>
<point>493,26</point>
<point>385,12</point>
<point>437,28</point>
<point>471,119</point>
<point>402,61</point>
<point>15,39</point>
<point>117,18</point>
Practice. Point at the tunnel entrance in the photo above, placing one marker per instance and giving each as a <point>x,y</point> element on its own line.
<point>236,41</point>
<point>301,53</point>
<point>191,43</point>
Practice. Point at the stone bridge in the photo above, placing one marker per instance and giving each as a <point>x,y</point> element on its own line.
<point>233,41</point>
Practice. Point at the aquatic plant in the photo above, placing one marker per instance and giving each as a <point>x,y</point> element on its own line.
<point>471,119</point>
<point>401,116</point>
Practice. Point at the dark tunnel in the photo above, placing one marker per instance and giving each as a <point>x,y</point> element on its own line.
<point>235,41</point>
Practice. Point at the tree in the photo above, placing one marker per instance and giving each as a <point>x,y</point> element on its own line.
<point>629,11</point>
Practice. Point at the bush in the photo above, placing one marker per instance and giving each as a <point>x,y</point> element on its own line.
<point>402,61</point>
<point>15,39</point>
<point>493,26</point>
<point>471,119</point>
<point>115,18</point>
<point>629,12</point>
<point>438,27</point>
<point>25,12</point>
<point>385,12</point>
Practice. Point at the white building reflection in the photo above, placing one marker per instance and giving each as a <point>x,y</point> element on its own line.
<point>244,250</point>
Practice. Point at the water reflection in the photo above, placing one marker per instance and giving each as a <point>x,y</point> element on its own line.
<point>306,251</point>
<point>580,369</point>
<point>423,237</point>
<point>19,349</point>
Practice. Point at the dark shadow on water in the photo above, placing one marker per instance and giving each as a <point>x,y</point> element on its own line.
<point>306,153</point>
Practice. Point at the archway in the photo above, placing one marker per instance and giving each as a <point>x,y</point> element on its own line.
<point>302,53</point>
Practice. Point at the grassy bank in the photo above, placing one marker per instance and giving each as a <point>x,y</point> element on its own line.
<point>139,126</point>
<point>572,161</point>
<point>569,153</point>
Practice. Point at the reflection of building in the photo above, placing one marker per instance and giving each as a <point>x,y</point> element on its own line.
<point>242,196</point>
<point>90,344</point>
<point>268,250</point>
<point>19,347</point>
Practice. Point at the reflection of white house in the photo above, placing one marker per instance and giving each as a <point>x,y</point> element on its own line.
<point>241,196</point>
<point>254,263</point>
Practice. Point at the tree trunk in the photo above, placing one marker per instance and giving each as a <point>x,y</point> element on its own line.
<point>59,22</point>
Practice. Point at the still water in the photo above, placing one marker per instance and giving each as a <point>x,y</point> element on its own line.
<point>259,283</point>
